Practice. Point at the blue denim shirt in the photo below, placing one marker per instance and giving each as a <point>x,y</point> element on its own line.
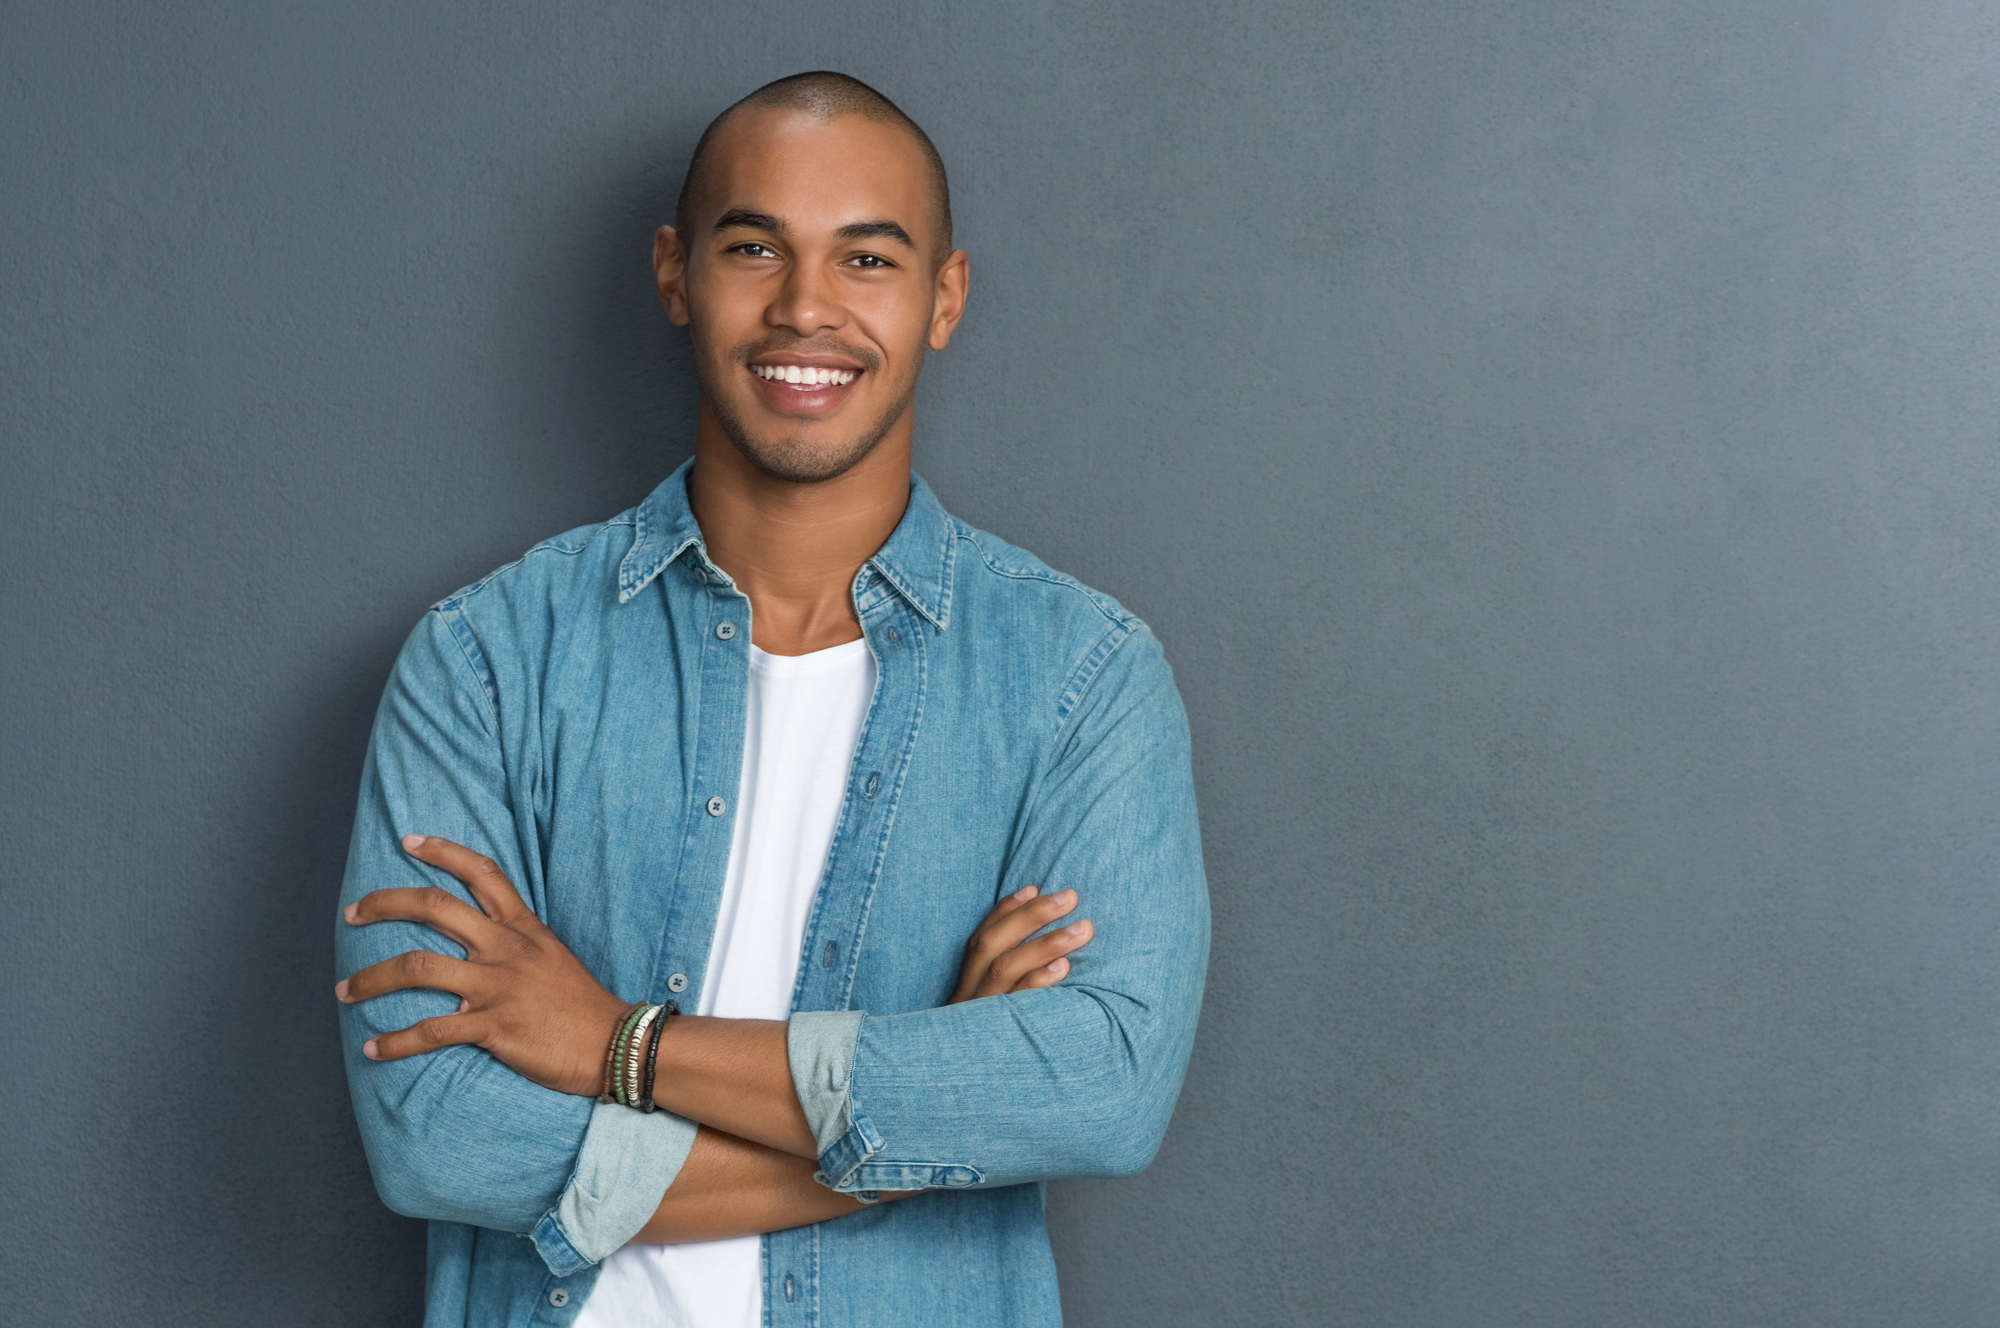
<point>578,716</point>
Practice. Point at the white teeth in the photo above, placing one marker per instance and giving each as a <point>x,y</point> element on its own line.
<point>792,373</point>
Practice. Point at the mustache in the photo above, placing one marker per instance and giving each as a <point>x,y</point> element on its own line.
<point>861,355</point>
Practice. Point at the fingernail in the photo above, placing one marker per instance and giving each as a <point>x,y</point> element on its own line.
<point>1025,892</point>
<point>1069,896</point>
<point>340,989</point>
<point>352,912</point>
<point>1059,965</point>
<point>411,843</point>
<point>368,1049</point>
<point>1078,928</point>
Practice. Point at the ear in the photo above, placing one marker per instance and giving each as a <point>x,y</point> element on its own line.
<point>670,274</point>
<point>954,279</point>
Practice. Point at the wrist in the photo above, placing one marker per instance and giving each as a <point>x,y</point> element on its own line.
<point>607,1077</point>
<point>631,1057</point>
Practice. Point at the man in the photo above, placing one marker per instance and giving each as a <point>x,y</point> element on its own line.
<point>771,745</point>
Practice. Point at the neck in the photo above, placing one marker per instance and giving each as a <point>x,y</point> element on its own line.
<point>794,548</point>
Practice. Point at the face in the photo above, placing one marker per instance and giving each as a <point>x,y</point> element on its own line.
<point>811,288</point>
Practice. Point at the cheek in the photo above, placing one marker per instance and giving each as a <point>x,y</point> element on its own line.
<point>723,313</point>
<point>897,331</point>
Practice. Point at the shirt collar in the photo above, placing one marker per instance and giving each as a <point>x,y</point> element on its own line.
<point>916,561</point>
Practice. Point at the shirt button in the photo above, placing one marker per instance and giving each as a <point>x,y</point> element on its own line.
<point>894,636</point>
<point>677,982</point>
<point>725,630</point>
<point>559,1297</point>
<point>716,806</point>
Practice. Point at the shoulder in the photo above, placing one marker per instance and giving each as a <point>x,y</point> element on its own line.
<point>510,623</point>
<point>997,570</point>
<point>1081,638</point>
<point>557,568</point>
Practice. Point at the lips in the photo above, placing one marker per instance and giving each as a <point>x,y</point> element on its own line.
<point>805,384</point>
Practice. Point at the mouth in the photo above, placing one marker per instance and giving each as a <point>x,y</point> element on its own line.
<point>803,375</point>
<point>805,384</point>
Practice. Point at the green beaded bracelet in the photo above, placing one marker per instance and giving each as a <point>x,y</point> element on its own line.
<point>618,1055</point>
<point>632,1052</point>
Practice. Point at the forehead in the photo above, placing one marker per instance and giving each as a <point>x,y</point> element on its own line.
<point>818,174</point>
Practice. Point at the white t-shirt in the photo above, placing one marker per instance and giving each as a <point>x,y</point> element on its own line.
<point>805,716</point>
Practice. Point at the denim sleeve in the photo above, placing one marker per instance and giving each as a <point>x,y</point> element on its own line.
<point>454,1135</point>
<point>1071,1080</point>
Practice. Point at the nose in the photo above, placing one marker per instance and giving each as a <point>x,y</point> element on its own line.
<point>806,302</point>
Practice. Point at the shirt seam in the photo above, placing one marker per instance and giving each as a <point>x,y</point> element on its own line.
<point>1089,670</point>
<point>553,544</point>
<point>474,659</point>
<point>1113,613</point>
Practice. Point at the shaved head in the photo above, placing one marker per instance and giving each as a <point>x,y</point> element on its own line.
<point>823,95</point>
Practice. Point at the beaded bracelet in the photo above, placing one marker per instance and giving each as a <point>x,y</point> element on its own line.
<point>628,1055</point>
<point>629,1063</point>
<point>667,1011</point>
<point>604,1093</point>
<point>619,1038</point>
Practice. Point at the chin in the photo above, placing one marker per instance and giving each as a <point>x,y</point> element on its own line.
<point>803,461</point>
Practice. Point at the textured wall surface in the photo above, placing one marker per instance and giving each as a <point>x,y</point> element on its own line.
<point>1555,442</point>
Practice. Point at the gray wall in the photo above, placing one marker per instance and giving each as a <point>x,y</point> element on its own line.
<point>1555,441</point>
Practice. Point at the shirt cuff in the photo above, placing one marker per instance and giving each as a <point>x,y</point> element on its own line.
<point>629,1159</point>
<point>820,1046</point>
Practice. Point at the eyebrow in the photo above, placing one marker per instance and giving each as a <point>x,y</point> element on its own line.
<point>859,230</point>
<point>757,221</point>
<point>884,230</point>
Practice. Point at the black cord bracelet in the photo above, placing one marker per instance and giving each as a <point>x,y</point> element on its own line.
<point>667,1011</point>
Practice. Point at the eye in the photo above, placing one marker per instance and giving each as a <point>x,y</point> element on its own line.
<point>870,261</point>
<point>753,249</point>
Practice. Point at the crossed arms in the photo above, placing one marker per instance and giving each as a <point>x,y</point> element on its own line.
<point>527,1001</point>
<point>498,1128</point>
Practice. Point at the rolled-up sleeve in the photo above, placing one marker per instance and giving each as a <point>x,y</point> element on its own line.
<point>455,1135</point>
<point>1075,1079</point>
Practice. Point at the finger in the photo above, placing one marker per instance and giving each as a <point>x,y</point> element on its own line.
<point>1007,905</point>
<point>481,874</point>
<point>417,969</point>
<point>445,1030</point>
<point>1046,976</point>
<point>1008,931</point>
<point>1022,960</point>
<point>432,905</point>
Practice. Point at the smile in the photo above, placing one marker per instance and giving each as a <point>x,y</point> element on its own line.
<point>804,376</point>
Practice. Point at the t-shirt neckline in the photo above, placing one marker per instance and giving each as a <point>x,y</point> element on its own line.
<point>816,661</point>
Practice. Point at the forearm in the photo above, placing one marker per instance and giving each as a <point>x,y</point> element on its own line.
<point>969,1095</point>
<point>732,1187</point>
<point>733,1075</point>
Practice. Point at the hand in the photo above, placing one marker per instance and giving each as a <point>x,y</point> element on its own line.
<point>524,996</point>
<point>999,957</point>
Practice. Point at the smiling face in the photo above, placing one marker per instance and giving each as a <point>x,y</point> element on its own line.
<point>809,281</point>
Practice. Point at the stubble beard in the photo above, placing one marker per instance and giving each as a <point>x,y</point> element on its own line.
<point>795,458</point>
